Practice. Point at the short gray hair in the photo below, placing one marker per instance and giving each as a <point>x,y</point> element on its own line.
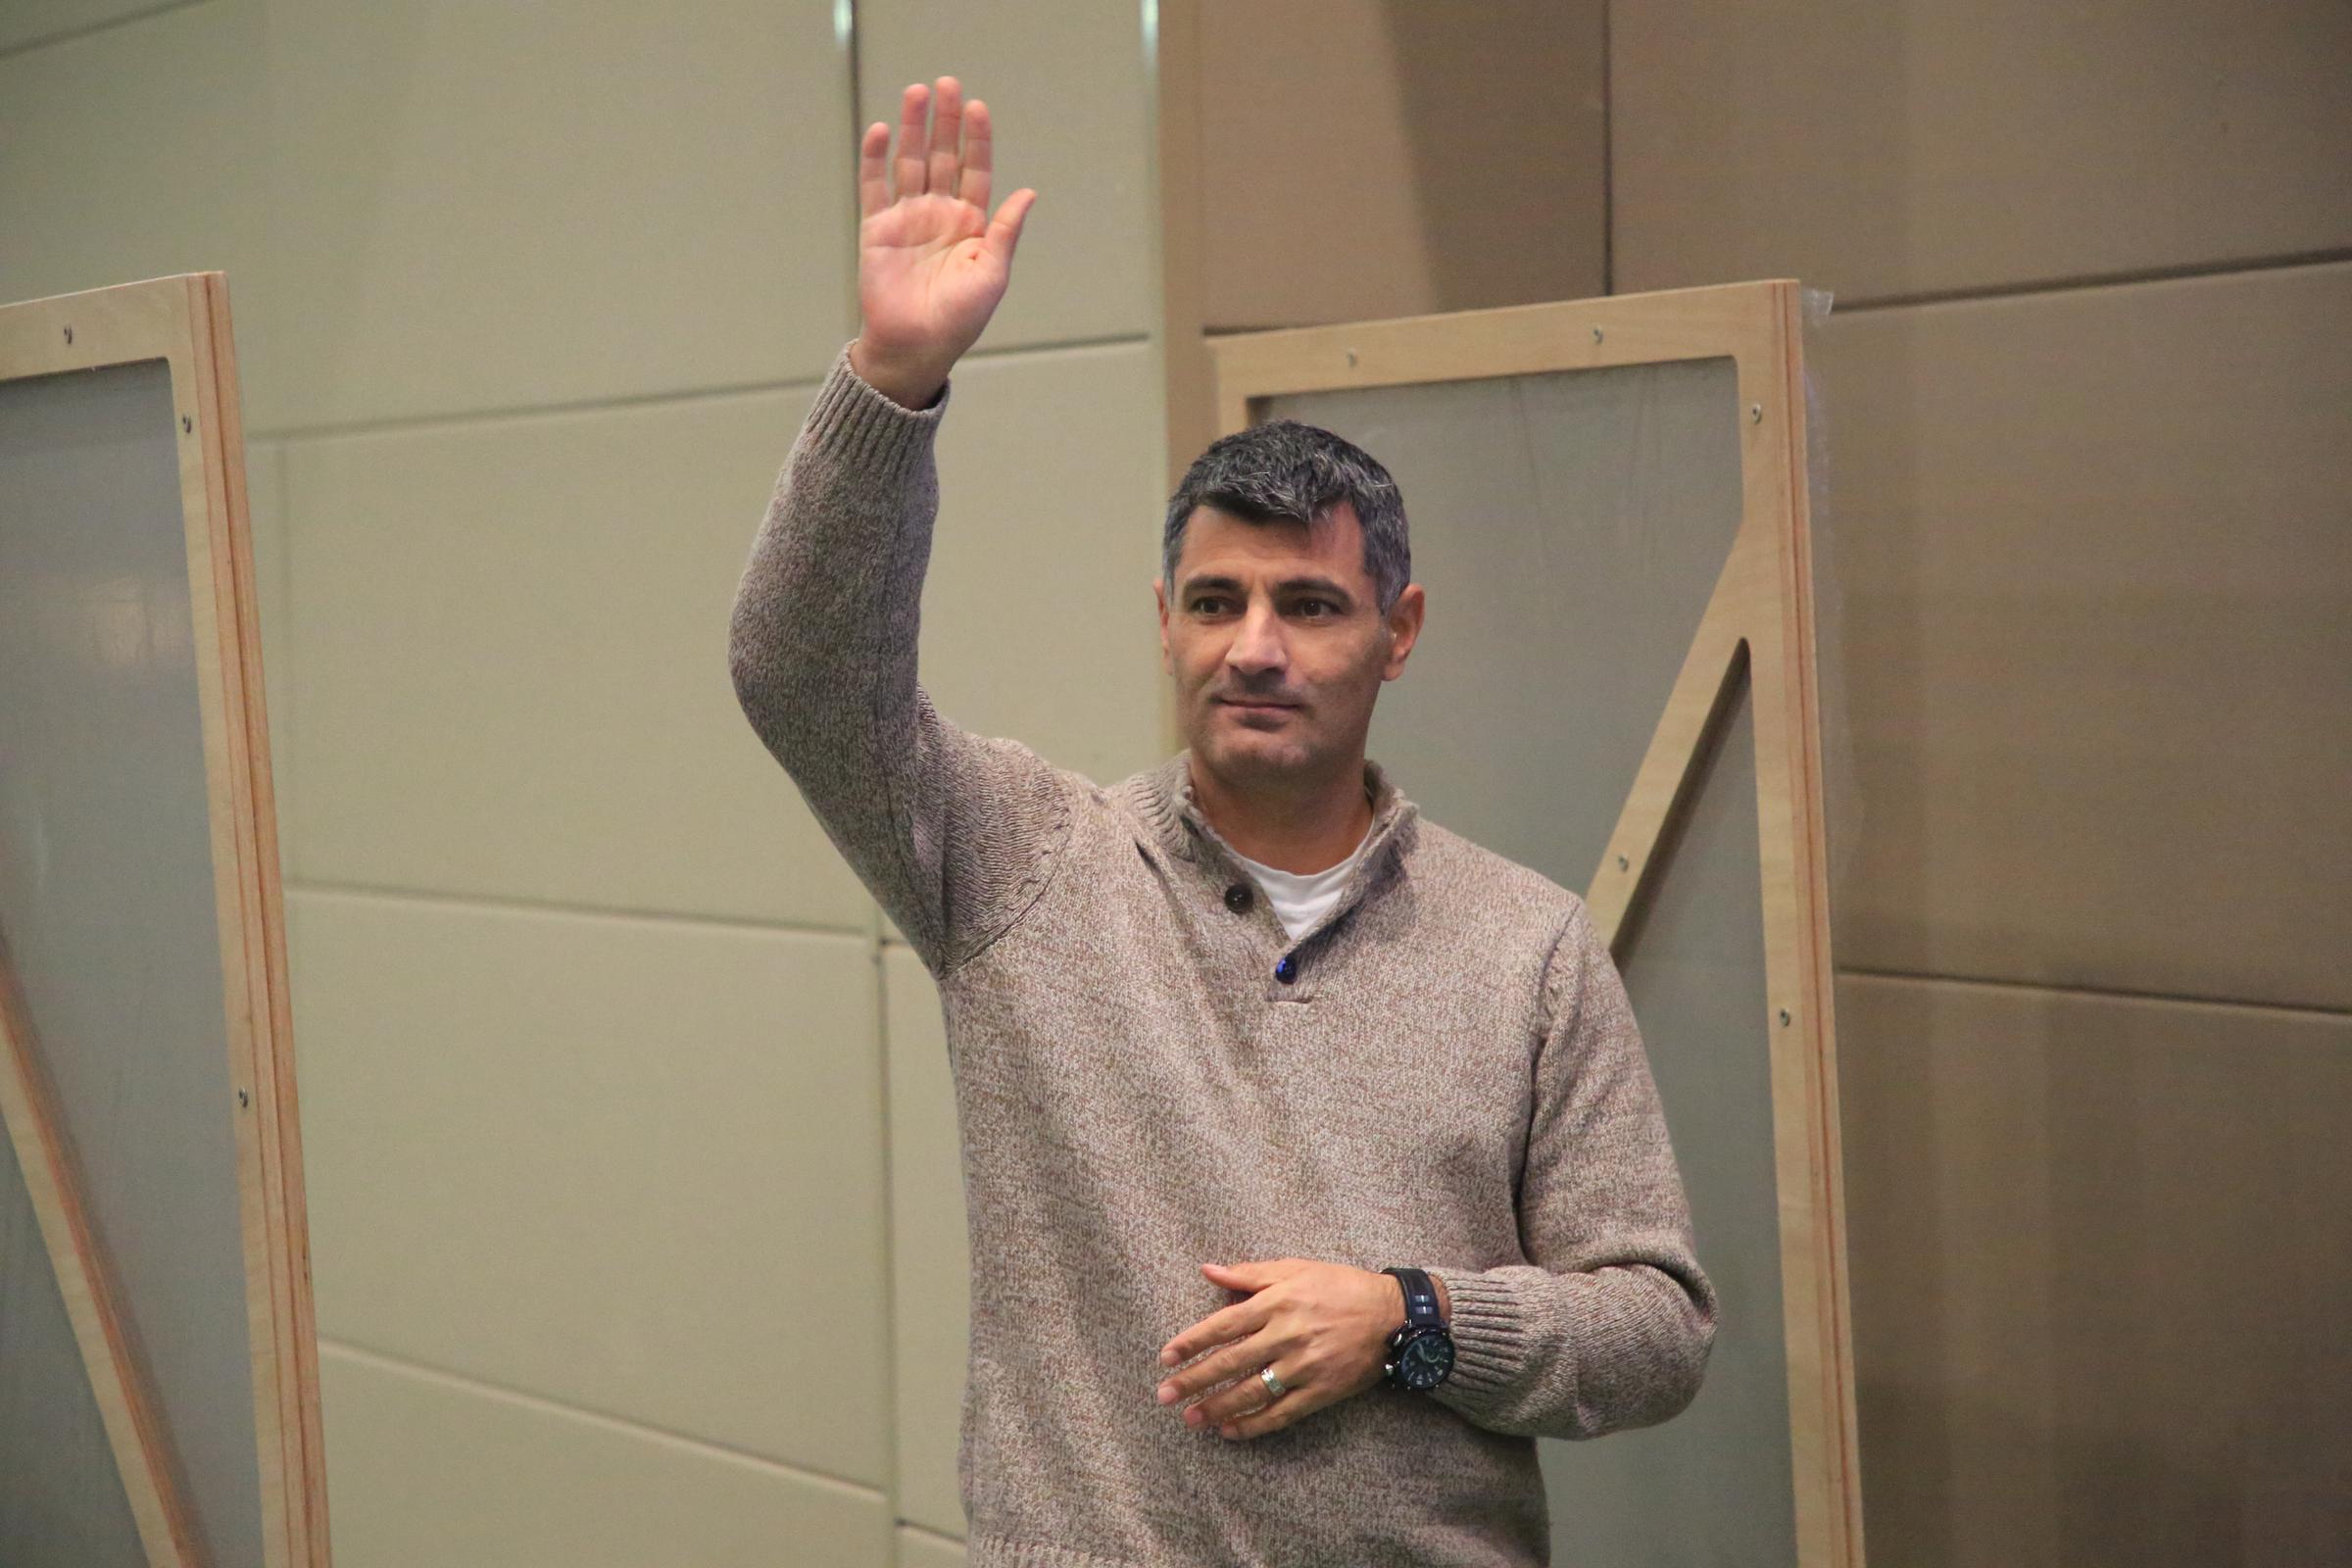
<point>1290,471</point>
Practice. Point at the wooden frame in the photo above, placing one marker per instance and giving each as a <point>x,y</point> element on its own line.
<point>185,320</point>
<point>1759,622</point>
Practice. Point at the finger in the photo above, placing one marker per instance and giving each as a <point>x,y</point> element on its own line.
<point>1253,1274</point>
<point>1005,230</point>
<point>915,145</point>
<point>1225,1323</point>
<point>1248,1393</point>
<point>1239,1360</point>
<point>946,130</point>
<point>873,177</point>
<point>1294,1405</point>
<point>979,154</point>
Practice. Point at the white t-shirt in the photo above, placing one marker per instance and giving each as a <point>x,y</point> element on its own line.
<point>1299,900</point>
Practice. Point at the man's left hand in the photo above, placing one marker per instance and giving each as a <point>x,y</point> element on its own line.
<point>1323,1327</point>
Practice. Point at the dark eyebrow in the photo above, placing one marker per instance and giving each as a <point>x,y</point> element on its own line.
<point>1288,585</point>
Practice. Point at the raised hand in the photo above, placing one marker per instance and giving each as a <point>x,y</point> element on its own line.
<point>931,264</point>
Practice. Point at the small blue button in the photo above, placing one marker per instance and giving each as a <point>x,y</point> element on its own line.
<point>1287,969</point>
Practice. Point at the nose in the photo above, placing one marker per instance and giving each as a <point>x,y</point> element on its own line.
<point>1257,645</point>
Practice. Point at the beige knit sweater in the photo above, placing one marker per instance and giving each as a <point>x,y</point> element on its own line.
<point>1452,1079</point>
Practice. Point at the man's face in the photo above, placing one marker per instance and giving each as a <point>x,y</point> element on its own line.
<point>1276,642</point>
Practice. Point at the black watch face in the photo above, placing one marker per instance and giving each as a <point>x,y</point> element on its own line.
<point>1425,1360</point>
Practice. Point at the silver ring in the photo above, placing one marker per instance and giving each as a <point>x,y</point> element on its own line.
<point>1275,1388</point>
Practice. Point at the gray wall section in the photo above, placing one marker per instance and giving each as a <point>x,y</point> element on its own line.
<point>1568,529</point>
<point>107,896</point>
<point>62,1503</point>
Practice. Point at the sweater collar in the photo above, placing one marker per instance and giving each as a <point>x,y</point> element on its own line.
<point>1163,798</point>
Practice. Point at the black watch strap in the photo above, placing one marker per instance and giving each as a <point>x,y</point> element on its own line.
<point>1420,1298</point>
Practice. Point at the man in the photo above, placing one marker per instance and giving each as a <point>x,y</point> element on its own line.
<point>1233,1037</point>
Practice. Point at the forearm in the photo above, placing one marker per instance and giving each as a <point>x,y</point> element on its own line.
<point>1575,1354</point>
<point>821,641</point>
<point>1607,1319</point>
<point>950,831</point>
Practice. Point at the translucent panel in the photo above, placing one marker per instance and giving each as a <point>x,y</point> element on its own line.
<point>62,1503</point>
<point>107,892</point>
<point>1568,529</point>
<point>1716,1482</point>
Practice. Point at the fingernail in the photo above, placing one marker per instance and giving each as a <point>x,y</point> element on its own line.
<point>1167,1392</point>
<point>1167,1359</point>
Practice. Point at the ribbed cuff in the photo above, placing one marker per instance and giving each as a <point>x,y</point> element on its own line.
<point>1493,1327</point>
<point>853,422</point>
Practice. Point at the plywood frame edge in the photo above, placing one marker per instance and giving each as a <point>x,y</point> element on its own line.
<point>183,320</point>
<point>1762,602</point>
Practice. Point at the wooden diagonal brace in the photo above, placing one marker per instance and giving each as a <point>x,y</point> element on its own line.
<point>126,1404</point>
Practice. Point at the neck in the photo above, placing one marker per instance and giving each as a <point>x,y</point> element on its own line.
<point>1301,826</point>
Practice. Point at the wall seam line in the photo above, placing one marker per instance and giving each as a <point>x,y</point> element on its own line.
<point>473,902</point>
<point>667,1435</point>
<point>2097,280</point>
<point>2108,992</point>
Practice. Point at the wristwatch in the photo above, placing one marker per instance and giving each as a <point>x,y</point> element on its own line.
<point>1420,1353</point>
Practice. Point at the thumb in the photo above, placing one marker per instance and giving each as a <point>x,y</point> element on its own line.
<point>1004,229</point>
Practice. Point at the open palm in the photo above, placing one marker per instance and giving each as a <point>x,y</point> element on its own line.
<point>931,264</point>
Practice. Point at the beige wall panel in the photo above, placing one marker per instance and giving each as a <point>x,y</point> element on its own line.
<point>1066,87</point>
<point>25,23</point>
<point>2098,1268</point>
<point>510,638</point>
<point>483,206</point>
<point>425,1470</point>
<point>126,154</point>
<point>2096,565</point>
<point>930,1248</point>
<point>919,1550</point>
<point>1891,150</point>
<point>1362,159</point>
<point>1038,618</point>
<point>604,1161</point>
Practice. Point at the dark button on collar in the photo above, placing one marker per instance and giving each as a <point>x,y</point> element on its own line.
<point>1287,969</point>
<point>1237,898</point>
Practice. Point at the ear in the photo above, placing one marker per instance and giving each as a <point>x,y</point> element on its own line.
<point>1160,597</point>
<point>1404,628</point>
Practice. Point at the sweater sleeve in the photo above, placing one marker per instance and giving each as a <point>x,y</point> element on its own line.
<point>1610,1324</point>
<point>954,833</point>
